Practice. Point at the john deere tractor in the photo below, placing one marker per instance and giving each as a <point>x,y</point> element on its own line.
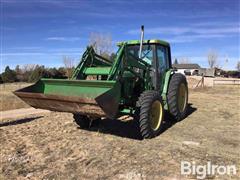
<point>139,82</point>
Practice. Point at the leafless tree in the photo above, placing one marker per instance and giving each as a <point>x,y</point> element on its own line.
<point>102,43</point>
<point>29,67</point>
<point>68,64</point>
<point>184,60</point>
<point>238,66</point>
<point>212,58</point>
<point>26,71</point>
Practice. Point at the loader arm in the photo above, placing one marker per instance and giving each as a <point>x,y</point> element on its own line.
<point>89,59</point>
<point>92,62</point>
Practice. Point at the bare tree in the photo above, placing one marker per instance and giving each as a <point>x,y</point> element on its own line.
<point>102,43</point>
<point>212,58</point>
<point>29,67</point>
<point>238,66</point>
<point>26,72</point>
<point>184,60</point>
<point>68,64</point>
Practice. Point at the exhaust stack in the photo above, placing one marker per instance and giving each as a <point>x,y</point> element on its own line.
<point>141,42</point>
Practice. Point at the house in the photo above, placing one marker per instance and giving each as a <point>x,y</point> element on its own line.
<point>208,72</point>
<point>187,69</point>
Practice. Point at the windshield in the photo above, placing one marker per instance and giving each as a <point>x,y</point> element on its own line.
<point>147,52</point>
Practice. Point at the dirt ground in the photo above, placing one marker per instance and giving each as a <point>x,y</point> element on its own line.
<point>8,99</point>
<point>51,146</point>
<point>16,113</point>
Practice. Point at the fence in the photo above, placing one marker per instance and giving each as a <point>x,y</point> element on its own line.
<point>226,82</point>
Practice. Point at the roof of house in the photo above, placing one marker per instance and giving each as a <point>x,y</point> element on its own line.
<point>186,66</point>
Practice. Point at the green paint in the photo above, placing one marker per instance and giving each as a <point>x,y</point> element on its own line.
<point>97,70</point>
<point>124,79</point>
<point>165,88</point>
<point>117,61</point>
<point>126,112</point>
<point>89,89</point>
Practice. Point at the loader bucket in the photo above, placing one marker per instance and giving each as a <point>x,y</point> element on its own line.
<point>92,98</point>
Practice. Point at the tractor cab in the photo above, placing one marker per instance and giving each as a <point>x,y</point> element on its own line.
<point>153,51</point>
<point>156,53</point>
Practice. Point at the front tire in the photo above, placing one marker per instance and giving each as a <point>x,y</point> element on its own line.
<point>151,114</point>
<point>177,97</point>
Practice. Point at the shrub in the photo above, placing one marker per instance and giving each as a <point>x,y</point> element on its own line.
<point>9,75</point>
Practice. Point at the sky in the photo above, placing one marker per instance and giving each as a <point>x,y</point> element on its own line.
<point>43,31</point>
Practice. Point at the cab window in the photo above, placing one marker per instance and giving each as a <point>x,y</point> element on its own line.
<point>147,52</point>
<point>162,58</point>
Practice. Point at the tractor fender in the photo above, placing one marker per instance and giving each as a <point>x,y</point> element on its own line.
<point>167,78</point>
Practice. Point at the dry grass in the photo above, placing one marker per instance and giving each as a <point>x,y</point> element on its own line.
<point>8,99</point>
<point>52,147</point>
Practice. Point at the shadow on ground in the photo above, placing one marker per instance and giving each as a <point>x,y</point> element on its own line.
<point>130,128</point>
<point>19,121</point>
<point>169,123</point>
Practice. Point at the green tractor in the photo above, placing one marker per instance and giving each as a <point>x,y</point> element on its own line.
<point>140,82</point>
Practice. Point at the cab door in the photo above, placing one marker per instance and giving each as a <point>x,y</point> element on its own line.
<point>162,63</point>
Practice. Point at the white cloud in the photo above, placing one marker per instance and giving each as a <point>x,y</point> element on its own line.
<point>70,39</point>
<point>192,32</point>
<point>191,38</point>
<point>40,54</point>
<point>216,30</point>
<point>20,54</point>
<point>28,48</point>
<point>216,24</point>
<point>160,30</point>
<point>183,30</point>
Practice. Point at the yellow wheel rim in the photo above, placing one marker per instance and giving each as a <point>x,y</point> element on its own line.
<point>156,115</point>
<point>182,97</point>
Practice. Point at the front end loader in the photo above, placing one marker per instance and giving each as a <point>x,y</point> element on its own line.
<point>139,82</point>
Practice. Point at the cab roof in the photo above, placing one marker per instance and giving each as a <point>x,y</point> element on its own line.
<point>150,41</point>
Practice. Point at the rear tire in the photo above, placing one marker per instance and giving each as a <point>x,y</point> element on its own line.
<point>177,97</point>
<point>151,114</point>
<point>82,121</point>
